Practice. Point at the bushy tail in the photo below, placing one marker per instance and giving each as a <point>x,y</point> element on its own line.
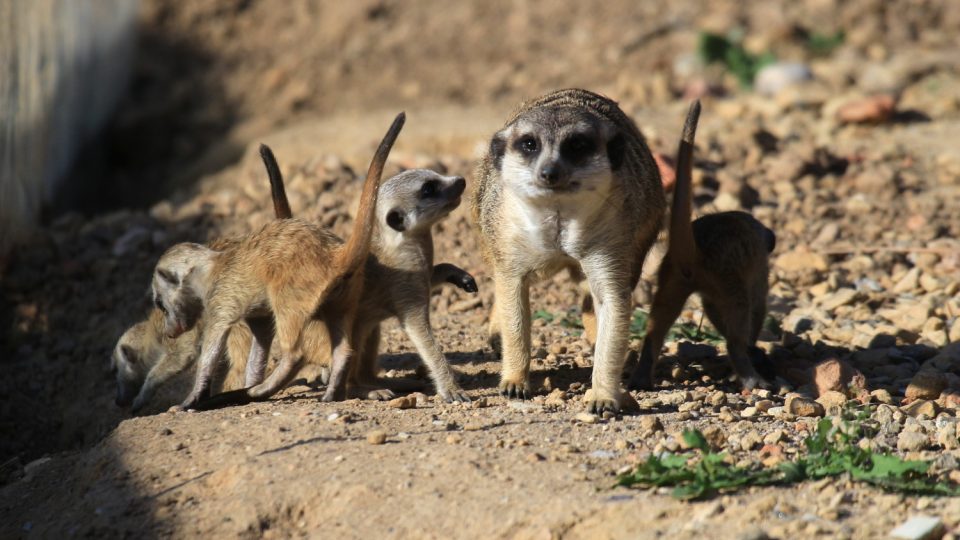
<point>281,207</point>
<point>683,248</point>
<point>357,248</point>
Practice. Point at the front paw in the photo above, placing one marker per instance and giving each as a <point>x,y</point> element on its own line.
<point>453,395</point>
<point>333,395</point>
<point>138,404</point>
<point>600,401</point>
<point>191,402</point>
<point>515,388</point>
<point>468,284</point>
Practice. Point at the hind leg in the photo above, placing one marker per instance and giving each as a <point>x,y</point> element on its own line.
<point>289,333</point>
<point>363,382</point>
<point>262,330</point>
<point>733,320</point>
<point>668,302</point>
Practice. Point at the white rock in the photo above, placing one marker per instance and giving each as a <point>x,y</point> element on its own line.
<point>776,77</point>
<point>919,528</point>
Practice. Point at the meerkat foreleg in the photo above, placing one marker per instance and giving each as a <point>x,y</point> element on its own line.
<point>450,273</point>
<point>155,379</point>
<point>416,323</point>
<point>214,341</point>
<point>612,294</point>
<point>512,307</point>
<point>668,302</point>
<point>262,330</point>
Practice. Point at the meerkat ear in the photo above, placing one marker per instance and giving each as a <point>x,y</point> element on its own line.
<point>498,145</point>
<point>395,220</point>
<point>616,148</point>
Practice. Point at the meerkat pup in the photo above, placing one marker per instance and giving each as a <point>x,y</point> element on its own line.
<point>724,258</point>
<point>276,279</point>
<point>567,183</point>
<point>399,275</point>
<point>144,358</point>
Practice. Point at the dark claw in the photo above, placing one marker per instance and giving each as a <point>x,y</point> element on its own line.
<point>464,281</point>
<point>469,284</point>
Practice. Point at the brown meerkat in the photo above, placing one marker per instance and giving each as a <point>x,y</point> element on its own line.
<point>724,258</point>
<point>288,273</point>
<point>567,183</point>
<point>144,358</point>
<point>398,278</point>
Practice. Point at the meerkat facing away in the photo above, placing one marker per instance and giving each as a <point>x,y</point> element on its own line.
<point>724,258</point>
<point>567,183</point>
<point>290,271</point>
<point>398,278</point>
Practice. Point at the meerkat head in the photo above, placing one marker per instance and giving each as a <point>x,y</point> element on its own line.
<point>131,361</point>
<point>179,286</point>
<point>555,150</point>
<point>416,199</point>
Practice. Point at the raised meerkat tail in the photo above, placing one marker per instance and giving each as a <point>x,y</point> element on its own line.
<point>683,247</point>
<point>358,245</point>
<point>281,207</point>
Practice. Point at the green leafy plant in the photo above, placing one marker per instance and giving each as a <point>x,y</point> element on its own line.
<point>823,44</point>
<point>566,320</point>
<point>680,330</point>
<point>730,52</point>
<point>832,450</point>
<point>696,477</point>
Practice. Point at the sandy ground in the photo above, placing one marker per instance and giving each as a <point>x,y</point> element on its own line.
<point>866,270</point>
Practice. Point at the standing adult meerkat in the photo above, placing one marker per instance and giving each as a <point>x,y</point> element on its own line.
<point>291,271</point>
<point>724,258</point>
<point>567,183</point>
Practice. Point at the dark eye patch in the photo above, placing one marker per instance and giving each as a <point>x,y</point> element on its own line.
<point>168,276</point>
<point>577,147</point>
<point>430,189</point>
<point>527,145</point>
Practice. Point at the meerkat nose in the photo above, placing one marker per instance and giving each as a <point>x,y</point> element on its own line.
<point>550,174</point>
<point>459,184</point>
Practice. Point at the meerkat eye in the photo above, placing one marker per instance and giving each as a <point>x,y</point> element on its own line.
<point>429,189</point>
<point>528,145</point>
<point>168,276</point>
<point>577,147</point>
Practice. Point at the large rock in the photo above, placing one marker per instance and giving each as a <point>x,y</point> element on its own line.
<point>926,384</point>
